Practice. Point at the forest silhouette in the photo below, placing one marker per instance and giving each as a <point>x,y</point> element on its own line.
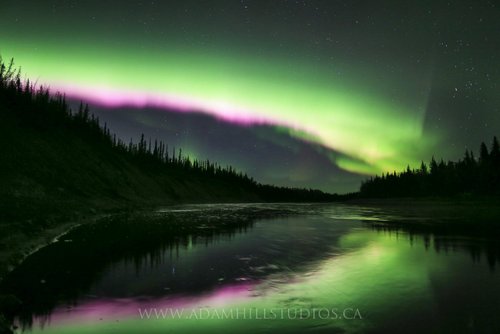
<point>56,153</point>
<point>469,176</point>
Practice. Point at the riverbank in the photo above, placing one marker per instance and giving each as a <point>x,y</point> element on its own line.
<point>140,228</point>
<point>21,238</point>
<point>17,243</point>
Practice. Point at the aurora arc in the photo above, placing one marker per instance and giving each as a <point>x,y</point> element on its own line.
<point>371,133</point>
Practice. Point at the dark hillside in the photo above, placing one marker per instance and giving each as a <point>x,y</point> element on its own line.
<point>58,161</point>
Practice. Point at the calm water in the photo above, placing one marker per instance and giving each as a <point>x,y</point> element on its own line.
<point>329,268</point>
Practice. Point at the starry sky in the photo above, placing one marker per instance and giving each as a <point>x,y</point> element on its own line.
<point>303,93</point>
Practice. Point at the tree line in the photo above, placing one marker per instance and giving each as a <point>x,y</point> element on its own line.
<point>36,106</point>
<point>467,176</point>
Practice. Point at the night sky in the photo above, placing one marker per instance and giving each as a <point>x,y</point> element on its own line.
<point>301,93</point>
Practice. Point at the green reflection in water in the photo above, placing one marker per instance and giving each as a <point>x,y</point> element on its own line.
<point>392,282</point>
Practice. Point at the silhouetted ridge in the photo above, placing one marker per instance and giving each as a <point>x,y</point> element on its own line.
<point>58,153</point>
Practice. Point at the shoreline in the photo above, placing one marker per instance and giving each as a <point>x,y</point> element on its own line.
<point>18,246</point>
<point>472,217</point>
<point>26,246</point>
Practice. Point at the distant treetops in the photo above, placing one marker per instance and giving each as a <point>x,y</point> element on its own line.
<point>470,175</point>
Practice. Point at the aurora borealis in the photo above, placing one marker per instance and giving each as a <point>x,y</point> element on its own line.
<point>368,88</point>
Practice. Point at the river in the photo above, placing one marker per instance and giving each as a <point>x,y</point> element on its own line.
<point>249,268</point>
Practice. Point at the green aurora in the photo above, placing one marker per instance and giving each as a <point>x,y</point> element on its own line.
<point>368,88</point>
<point>371,132</point>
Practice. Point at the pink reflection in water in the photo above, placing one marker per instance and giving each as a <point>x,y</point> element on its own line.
<point>91,311</point>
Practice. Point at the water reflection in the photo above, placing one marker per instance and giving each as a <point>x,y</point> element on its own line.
<point>261,257</point>
<point>64,272</point>
<point>444,240</point>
